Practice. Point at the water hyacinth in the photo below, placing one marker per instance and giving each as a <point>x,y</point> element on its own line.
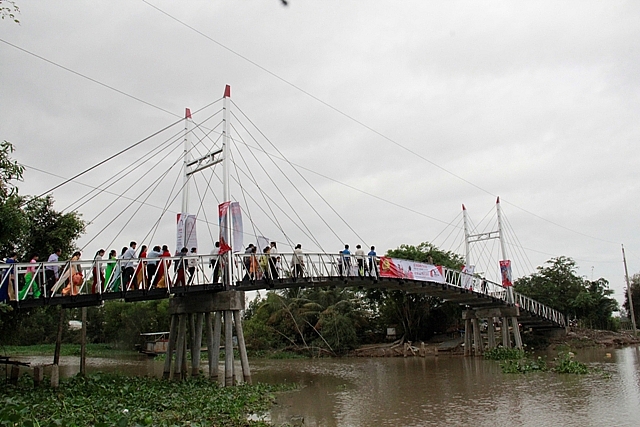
<point>112,400</point>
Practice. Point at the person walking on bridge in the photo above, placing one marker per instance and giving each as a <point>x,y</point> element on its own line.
<point>214,262</point>
<point>161,280</point>
<point>152,266</point>
<point>30,280</point>
<point>345,256</point>
<point>111,280</point>
<point>51,271</point>
<point>129,268</point>
<point>360,260</point>
<point>297,262</point>
<point>98,272</point>
<point>373,262</point>
<point>193,263</point>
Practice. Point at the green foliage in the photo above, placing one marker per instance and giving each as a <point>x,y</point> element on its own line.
<point>523,366</point>
<point>415,316</point>
<point>10,170</point>
<point>9,9</point>
<point>93,350</point>
<point>559,286</point>
<point>565,364</point>
<point>429,253</point>
<point>518,362</point>
<point>121,323</point>
<point>117,323</point>
<point>311,319</point>
<point>48,229</point>
<point>34,326</point>
<point>126,401</point>
<point>504,353</point>
<point>31,226</point>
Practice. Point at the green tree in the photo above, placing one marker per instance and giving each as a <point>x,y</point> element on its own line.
<point>10,170</point>
<point>31,225</point>
<point>558,285</point>
<point>9,9</point>
<point>417,316</point>
<point>47,229</point>
<point>311,319</point>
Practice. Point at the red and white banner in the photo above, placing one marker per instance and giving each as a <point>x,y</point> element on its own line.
<point>186,235</point>
<point>505,273</point>
<point>405,269</point>
<point>467,276</point>
<point>236,226</point>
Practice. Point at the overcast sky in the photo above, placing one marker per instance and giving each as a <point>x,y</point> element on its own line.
<point>423,105</point>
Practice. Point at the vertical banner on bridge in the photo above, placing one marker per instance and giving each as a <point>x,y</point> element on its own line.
<point>223,224</point>
<point>236,221</point>
<point>467,276</point>
<point>224,210</point>
<point>405,269</point>
<point>505,273</point>
<point>186,235</point>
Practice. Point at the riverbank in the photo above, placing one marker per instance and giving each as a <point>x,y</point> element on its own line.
<point>105,400</point>
<point>586,338</point>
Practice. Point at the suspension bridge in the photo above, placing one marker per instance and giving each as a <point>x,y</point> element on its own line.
<point>201,285</point>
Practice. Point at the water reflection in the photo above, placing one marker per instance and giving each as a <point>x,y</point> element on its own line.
<point>431,391</point>
<point>455,391</point>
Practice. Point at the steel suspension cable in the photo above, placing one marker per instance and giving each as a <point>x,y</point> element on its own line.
<point>280,191</point>
<point>303,177</point>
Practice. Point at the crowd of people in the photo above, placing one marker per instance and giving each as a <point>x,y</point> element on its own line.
<point>144,268</point>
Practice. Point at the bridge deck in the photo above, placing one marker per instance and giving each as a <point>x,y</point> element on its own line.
<point>321,270</point>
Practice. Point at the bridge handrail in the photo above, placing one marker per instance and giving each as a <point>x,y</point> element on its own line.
<point>315,267</point>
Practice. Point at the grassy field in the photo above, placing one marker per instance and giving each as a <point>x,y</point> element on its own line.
<point>93,350</point>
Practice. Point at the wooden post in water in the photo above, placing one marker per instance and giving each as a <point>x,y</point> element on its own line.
<point>467,336</point>
<point>83,343</point>
<point>197,344</point>
<point>516,333</point>
<point>171,345</point>
<point>180,345</point>
<point>491,334</point>
<point>56,352</point>
<point>477,338</point>
<point>506,338</point>
<point>202,307</point>
<point>228,348</point>
<point>217,335</point>
<point>242,349</point>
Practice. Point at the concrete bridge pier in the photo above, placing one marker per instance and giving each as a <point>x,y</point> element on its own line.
<point>473,341</point>
<point>506,338</point>
<point>206,310</point>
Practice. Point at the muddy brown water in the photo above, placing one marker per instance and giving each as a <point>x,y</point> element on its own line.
<point>432,391</point>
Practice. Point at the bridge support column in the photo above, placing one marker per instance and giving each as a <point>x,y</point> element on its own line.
<point>506,338</point>
<point>197,344</point>
<point>516,333</point>
<point>467,337</point>
<point>171,345</point>
<point>491,333</point>
<point>477,338</point>
<point>194,309</point>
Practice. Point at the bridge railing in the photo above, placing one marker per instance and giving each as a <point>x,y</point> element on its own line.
<point>541,310</point>
<point>117,275</point>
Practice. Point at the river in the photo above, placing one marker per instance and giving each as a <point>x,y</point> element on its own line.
<point>434,391</point>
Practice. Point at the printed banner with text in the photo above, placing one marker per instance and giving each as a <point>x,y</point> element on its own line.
<point>405,269</point>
